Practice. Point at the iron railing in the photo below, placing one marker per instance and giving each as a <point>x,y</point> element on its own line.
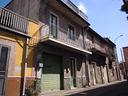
<point>12,20</point>
<point>62,36</point>
<point>99,48</point>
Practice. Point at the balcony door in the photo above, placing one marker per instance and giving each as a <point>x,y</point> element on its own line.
<point>4,51</point>
<point>71,32</point>
<point>53,25</point>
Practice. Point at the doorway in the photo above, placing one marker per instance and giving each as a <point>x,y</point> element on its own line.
<point>4,56</point>
<point>73,72</point>
<point>52,79</point>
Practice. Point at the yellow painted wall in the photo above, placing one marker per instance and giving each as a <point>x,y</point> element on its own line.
<point>34,32</point>
<point>18,43</point>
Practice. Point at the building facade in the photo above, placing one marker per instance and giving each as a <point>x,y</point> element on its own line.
<point>125,51</point>
<point>102,61</point>
<point>63,51</point>
<point>14,30</point>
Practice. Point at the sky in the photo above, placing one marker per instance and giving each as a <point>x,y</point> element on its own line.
<point>105,18</point>
<point>4,2</point>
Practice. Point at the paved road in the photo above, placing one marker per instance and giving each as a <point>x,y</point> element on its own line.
<point>119,89</point>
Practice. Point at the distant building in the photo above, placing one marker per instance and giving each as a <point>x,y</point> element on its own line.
<point>122,69</point>
<point>125,51</point>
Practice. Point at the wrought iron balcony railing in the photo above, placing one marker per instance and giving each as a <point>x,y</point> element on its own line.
<point>61,35</point>
<point>99,48</point>
<point>12,20</point>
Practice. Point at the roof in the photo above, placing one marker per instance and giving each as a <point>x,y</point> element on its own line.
<point>110,42</point>
<point>71,6</point>
<point>106,40</point>
<point>125,47</point>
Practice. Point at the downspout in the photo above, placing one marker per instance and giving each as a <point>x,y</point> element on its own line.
<point>26,63</point>
<point>26,57</point>
<point>25,66</point>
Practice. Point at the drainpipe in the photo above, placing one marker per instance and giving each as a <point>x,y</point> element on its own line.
<point>26,56</point>
<point>25,66</point>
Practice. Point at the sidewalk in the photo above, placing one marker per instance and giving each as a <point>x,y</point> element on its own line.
<point>77,90</point>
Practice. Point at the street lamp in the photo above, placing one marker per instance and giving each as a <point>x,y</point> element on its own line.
<point>117,63</point>
<point>117,38</point>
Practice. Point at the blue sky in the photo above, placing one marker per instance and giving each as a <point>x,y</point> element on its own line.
<point>105,18</point>
<point>4,2</point>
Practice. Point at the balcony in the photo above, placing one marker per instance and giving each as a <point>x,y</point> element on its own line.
<point>13,22</point>
<point>60,36</point>
<point>99,48</point>
<point>88,45</point>
<point>75,9</point>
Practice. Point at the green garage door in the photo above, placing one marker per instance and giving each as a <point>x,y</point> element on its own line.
<point>51,72</point>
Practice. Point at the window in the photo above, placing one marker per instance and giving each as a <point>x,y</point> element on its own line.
<point>53,25</point>
<point>71,32</point>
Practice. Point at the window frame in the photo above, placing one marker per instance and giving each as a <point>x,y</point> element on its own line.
<point>70,35</point>
<point>57,22</point>
<point>7,64</point>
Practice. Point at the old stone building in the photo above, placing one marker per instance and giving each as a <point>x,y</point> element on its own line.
<point>102,61</point>
<point>63,51</point>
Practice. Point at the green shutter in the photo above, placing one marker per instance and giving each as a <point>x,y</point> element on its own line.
<point>51,72</point>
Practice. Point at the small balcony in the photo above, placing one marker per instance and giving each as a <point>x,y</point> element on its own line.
<point>99,48</point>
<point>12,21</point>
<point>88,45</point>
<point>60,38</point>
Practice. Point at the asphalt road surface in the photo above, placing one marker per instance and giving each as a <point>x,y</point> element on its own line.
<point>119,89</point>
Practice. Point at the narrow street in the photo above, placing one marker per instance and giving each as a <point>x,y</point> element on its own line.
<point>118,89</point>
